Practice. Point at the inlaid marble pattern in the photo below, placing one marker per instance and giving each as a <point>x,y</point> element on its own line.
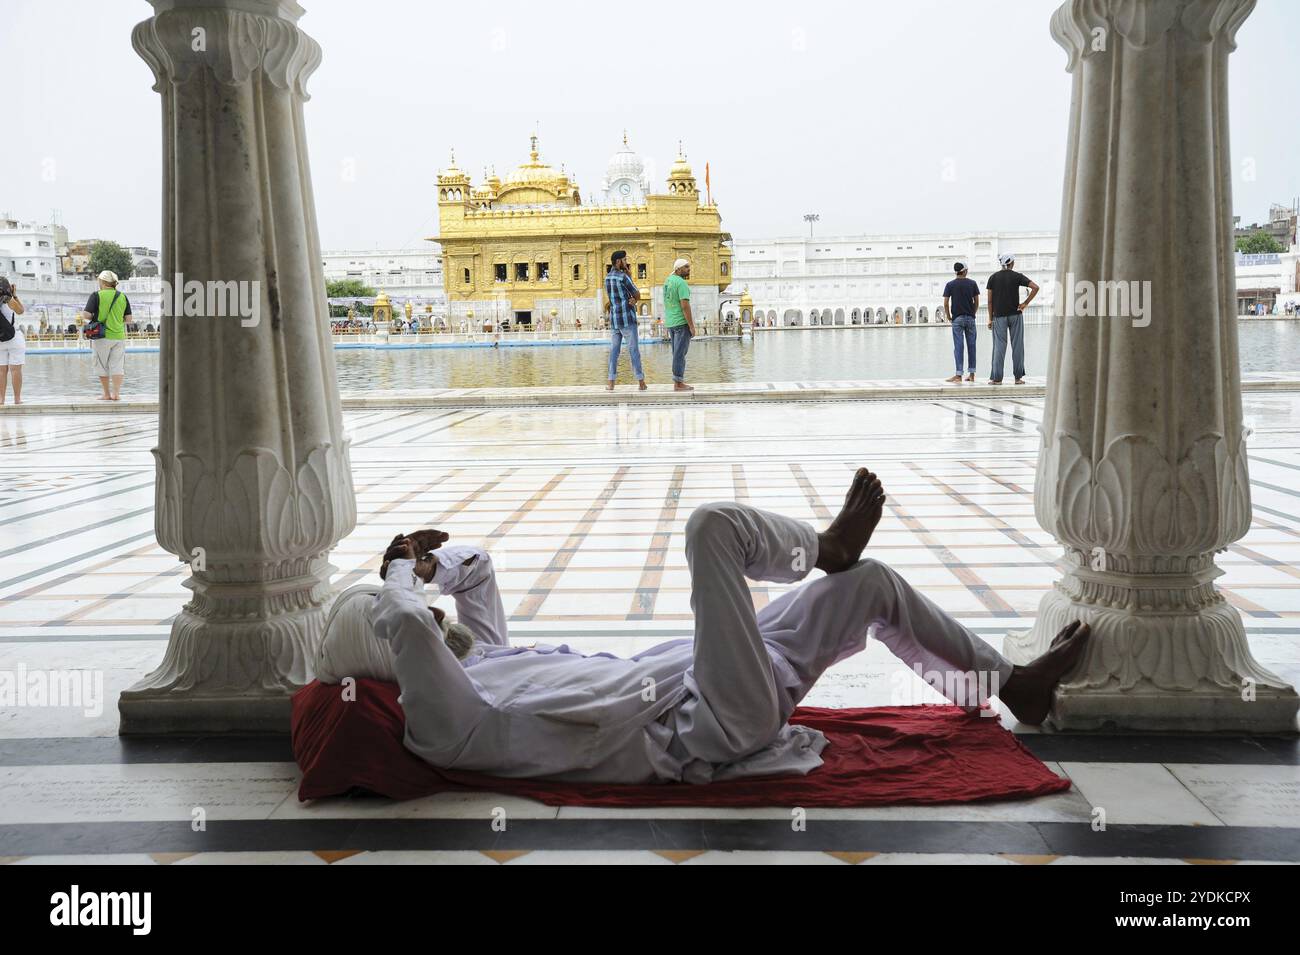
<point>583,509</point>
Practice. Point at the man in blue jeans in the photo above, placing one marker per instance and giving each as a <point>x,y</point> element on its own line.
<point>1006,317</point>
<point>678,320</point>
<point>961,303</point>
<point>621,296</point>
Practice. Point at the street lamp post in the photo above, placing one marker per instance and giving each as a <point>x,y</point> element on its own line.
<point>810,218</point>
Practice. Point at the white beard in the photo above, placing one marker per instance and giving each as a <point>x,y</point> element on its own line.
<point>460,640</point>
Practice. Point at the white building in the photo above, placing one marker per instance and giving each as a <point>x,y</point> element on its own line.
<point>878,279</point>
<point>145,262</point>
<point>413,275</point>
<point>58,302</point>
<point>28,253</point>
<point>1267,280</point>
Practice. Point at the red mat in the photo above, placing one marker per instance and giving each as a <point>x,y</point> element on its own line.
<point>881,756</point>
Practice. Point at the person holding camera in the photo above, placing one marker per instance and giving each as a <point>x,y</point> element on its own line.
<point>13,346</point>
<point>621,297</point>
<point>106,312</point>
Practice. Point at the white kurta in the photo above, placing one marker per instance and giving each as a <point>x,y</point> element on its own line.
<point>696,710</point>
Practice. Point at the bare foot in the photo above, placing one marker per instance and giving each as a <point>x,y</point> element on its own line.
<point>1020,381</point>
<point>970,377</point>
<point>992,382</point>
<point>609,386</point>
<point>1028,692</point>
<point>953,378</point>
<point>682,386</point>
<point>840,546</point>
<point>1066,632</point>
<point>641,385</point>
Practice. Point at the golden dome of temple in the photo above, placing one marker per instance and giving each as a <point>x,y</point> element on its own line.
<point>680,168</point>
<point>745,300</point>
<point>681,180</point>
<point>536,182</point>
<point>453,172</point>
<point>535,171</point>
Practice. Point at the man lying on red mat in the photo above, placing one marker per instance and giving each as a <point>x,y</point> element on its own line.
<point>710,708</point>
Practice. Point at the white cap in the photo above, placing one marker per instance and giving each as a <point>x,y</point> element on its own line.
<point>109,277</point>
<point>680,264</point>
<point>1006,258</point>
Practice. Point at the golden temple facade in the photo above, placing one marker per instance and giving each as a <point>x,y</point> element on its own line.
<point>526,250</point>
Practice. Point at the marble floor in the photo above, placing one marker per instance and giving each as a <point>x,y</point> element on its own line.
<point>583,510</point>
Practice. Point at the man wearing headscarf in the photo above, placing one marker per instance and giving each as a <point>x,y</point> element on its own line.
<point>678,320</point>
<point>1006,317</point>
<point>713,708</point>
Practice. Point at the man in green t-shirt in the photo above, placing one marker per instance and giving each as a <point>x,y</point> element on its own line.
<point>110,307</point>
<point>678,320</point>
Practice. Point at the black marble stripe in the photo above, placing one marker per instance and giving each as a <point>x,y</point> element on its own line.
<point>1039,838</point>
<point>423,420</point>
<point>1275,487</point>
<point>102,636</point>
<point>81,554</point>
<point>985,418</point>
<point>1280,464</point>
<point>447,426</point>
<point>539,631</point>
<point>68,538</point>
<point>79,502</point>
<point>1256,506</point>
<point>1057,747</point>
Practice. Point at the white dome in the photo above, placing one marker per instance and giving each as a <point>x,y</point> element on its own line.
<point>625,166</point>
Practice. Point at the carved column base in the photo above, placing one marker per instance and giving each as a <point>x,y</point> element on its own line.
<point>229,676</point>
<point>1147,671</point>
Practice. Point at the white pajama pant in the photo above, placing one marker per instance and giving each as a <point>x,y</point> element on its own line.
<point>751,669</point>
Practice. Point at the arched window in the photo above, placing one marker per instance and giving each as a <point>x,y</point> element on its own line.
<point>726,269</point>
<point>467,279</point>
<point>577,272</point>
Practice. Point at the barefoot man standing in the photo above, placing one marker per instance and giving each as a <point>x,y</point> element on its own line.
<point>712,708</point>
<point>621,297</point>
<point>678,320</point>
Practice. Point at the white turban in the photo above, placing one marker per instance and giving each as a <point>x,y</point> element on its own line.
<point>350,647</point>
<point>680,264</point>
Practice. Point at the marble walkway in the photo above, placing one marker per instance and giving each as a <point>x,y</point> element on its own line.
<point>83,585</point>
<point>76,397</point>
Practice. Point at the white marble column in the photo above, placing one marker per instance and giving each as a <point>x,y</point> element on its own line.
<point>1142,471</point>
<point>252,462</point>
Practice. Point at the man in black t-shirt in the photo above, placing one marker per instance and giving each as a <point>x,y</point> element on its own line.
<point>961,303</point>
<point>1006,317</point>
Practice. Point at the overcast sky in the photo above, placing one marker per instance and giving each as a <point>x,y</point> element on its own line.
<point>853,110</point>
